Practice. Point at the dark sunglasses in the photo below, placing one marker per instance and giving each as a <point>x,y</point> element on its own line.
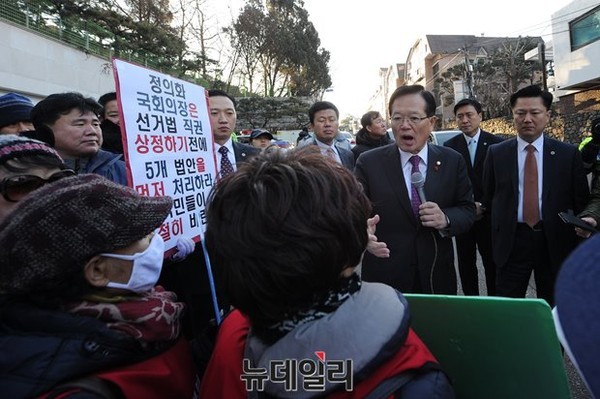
<point>15,188</point>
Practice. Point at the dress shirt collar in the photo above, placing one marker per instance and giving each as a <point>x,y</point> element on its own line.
<point>405,156</point>
<point>538,144</point>
<point>476,137</point>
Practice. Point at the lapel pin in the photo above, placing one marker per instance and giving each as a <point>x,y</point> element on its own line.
<point>552,152</point>
<point>485,143</point>
<point>243,154</point>
<point>437,166</point>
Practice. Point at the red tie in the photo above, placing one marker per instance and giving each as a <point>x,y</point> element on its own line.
<point>531,211</point>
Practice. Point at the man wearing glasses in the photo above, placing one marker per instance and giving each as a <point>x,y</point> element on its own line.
<point>25,165</point>
<point>417,230</point>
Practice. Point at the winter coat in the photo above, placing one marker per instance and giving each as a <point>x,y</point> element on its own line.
<point>367,337</point>
<point>102,163</point>
<point>43,348</point>
<point>364,142</point>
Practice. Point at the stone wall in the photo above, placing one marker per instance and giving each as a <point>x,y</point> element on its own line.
<point>571,128</point>
<point>272,113</point>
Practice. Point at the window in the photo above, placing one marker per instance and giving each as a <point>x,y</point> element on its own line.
<point>586,29</point>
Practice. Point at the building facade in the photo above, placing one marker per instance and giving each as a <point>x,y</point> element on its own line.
<point>576,38</point>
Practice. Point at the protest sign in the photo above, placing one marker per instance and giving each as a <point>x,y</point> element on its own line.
<point>168,145</point>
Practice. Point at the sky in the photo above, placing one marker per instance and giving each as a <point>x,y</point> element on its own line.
<point>363,36</point>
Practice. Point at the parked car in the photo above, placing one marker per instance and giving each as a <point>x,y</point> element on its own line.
<point>441,136</point>
<point>348,136</point>
<point>391,134</point>
<point>283,144</point>
<point>341,139</point>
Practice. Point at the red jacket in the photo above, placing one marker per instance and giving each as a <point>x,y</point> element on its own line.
<point>222,377</point>
<point>171,374</point>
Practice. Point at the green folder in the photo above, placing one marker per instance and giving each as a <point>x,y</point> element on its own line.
<point>491,347</point>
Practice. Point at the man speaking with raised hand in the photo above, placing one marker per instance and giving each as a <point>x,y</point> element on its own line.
<point>416,230</point>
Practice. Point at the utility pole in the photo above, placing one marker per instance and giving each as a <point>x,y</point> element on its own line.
<point>469,72</point>
<point>542,57</point>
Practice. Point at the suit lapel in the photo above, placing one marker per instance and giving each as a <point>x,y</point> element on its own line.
<point>464,151</point>
<point>346,161</point>
<point>434,179</point>
<point>551,167</point>
<point>480,150</point>
<point>240,155</point>
<point>482,146</point>
<point>512,168</point>
<point>395,177</point>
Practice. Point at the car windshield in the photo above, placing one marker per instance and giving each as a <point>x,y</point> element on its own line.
<point>441,137</point>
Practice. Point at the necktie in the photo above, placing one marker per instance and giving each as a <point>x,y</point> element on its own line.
<point>531,212</point>
<point>226,166</point>
<point>472,149</point>
<point>331,154</point>
<point>415,200</point>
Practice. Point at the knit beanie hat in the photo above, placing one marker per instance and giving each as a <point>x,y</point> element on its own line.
<point>53,233</point>
<point>15,147</point>
<point>577,295</point>
<point>14,108</point>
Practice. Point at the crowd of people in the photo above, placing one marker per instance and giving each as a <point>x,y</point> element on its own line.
<point>312,250</point>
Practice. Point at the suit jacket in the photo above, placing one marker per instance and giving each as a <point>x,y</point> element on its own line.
<point>475,172</point>
<point>412,246</point>
<point>243,151</point>
<point>346,156</point>
<point>564,186</point>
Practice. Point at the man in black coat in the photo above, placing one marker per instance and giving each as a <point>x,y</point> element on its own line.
<point>324,121</point>
<point>527,182</point>
<point>473,145</point>
<point>418,231</point>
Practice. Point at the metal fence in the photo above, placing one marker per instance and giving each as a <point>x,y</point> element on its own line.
<point>85,35</point>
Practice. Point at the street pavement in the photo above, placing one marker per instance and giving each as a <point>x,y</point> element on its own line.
<point>578,388</point>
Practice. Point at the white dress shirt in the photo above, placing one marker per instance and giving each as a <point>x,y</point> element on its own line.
<point>539,158</point>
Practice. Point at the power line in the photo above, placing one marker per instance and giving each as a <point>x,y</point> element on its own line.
<point>490,40</point>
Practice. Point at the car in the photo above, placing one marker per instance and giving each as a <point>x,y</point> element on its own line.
<point>441,136</point>
<point>348,136</point>
<point>344,140</point>
<point>283,144</point>
<point>391,134</point>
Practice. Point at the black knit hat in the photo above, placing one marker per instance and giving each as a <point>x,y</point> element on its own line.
<point>54,232</point>
<point>15,147</point>
<point>14,108</point>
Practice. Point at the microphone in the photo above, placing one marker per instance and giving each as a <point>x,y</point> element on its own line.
<point>418,182</point>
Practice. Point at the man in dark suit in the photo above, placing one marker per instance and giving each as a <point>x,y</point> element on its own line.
<point>189,277</point>
<point>324,121</point>
<point>473,145</point>
<point>223,118</point>
<point>417,234</point>
<point>527,182</point>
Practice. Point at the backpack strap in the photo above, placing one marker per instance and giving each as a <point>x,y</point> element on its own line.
<point>91,384</point>
<point>391,385</point>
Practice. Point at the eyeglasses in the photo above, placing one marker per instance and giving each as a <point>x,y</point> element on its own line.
<point>412,120</point>
<point>15,188</point>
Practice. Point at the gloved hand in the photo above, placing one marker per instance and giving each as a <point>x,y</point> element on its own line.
<point>185,246</point>
<point>596,131</point>
<point>589,153</point>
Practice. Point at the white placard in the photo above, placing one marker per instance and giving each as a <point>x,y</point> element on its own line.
<point>168,145</point>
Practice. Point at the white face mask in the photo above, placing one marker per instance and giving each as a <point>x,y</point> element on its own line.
<point>146,266</point>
